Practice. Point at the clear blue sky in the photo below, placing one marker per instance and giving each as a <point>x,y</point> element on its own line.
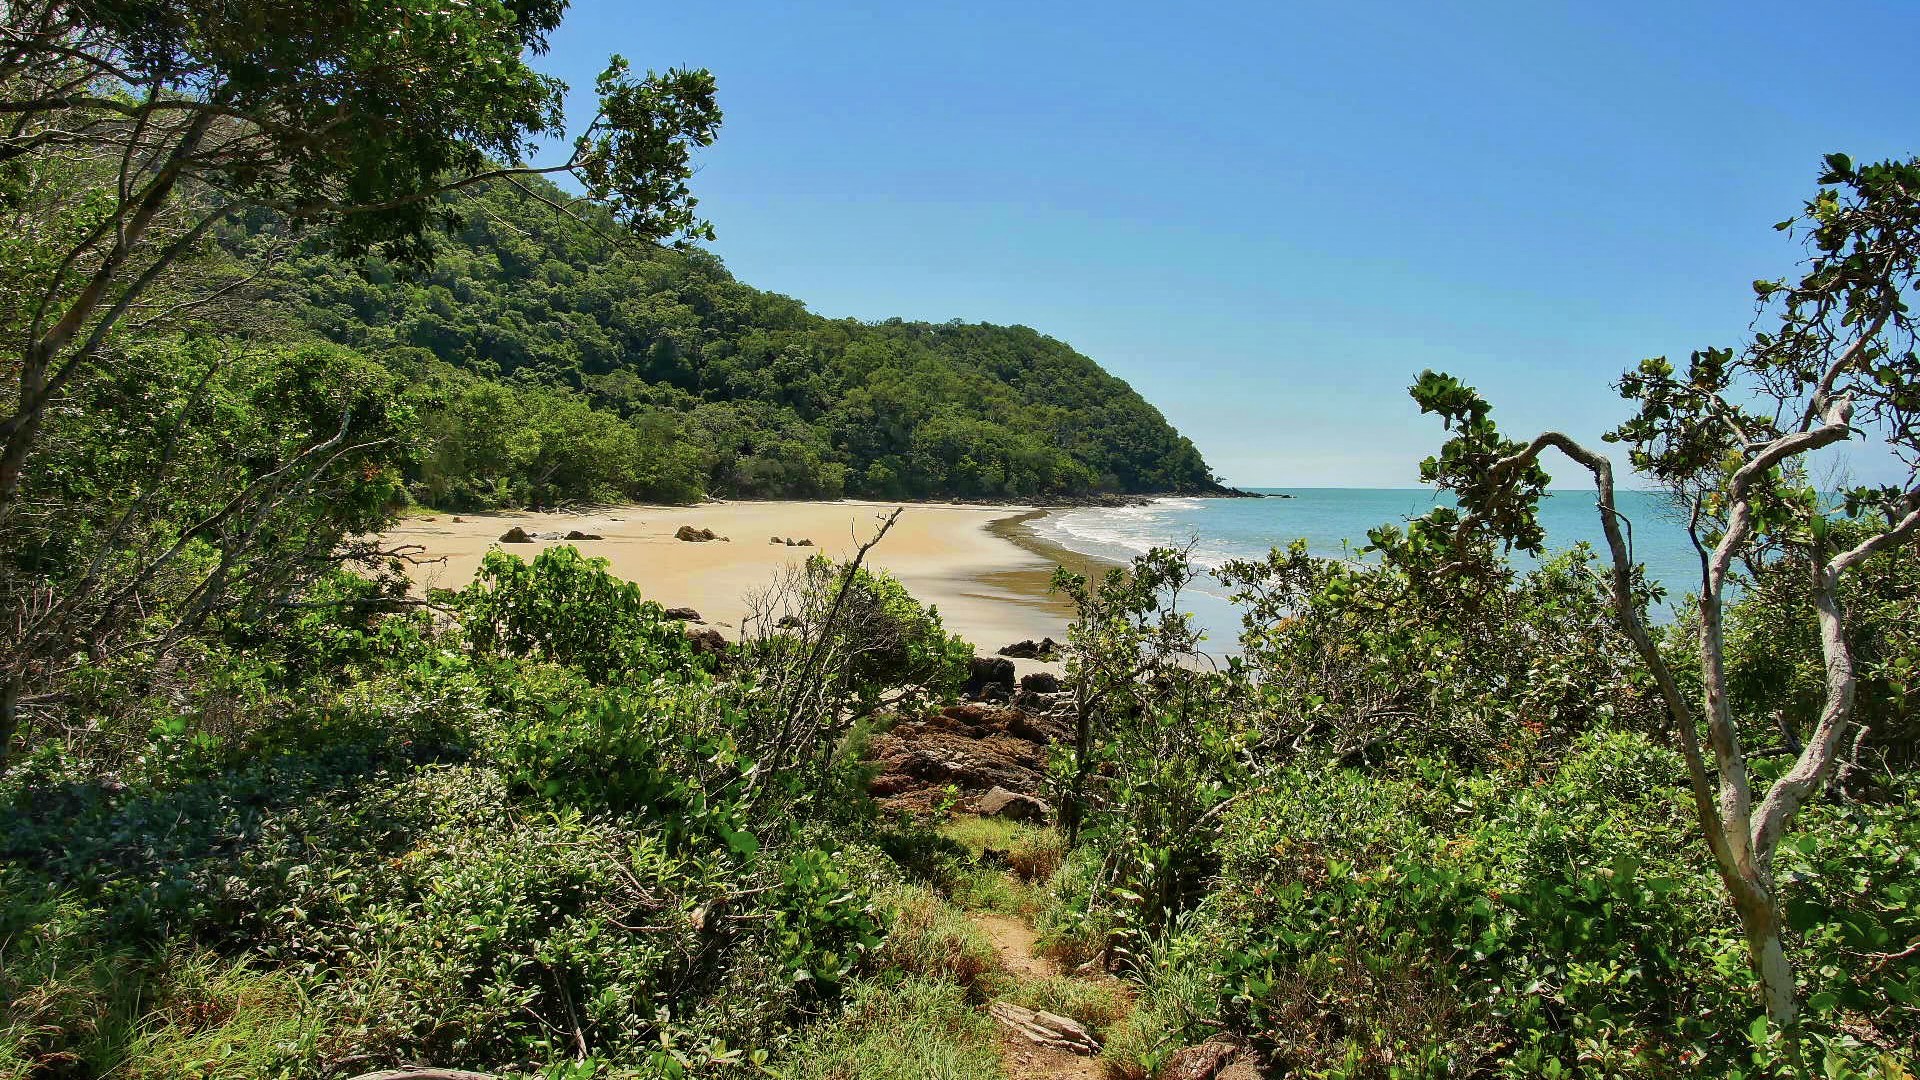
<point>1269,217</point>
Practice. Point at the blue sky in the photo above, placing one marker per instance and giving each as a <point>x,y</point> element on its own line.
<point>1269,217</point>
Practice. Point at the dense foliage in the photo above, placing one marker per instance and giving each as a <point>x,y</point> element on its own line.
<point>266,813</point>
<point>560,363</point>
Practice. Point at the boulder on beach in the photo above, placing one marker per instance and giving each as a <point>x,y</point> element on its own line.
<point>516,535</point>
<point>1044,649</point>
<point>987,672</point>
<point>684,614</point>
<point>576,534</point>
<point>697,536</point>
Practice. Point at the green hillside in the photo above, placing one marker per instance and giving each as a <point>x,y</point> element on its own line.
<point>558,363</point>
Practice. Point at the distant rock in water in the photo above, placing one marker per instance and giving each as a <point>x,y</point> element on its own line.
<point>686,614</point>
<point>516,535</point>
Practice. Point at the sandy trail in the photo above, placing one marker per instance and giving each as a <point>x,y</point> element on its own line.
<point>1014,939</point>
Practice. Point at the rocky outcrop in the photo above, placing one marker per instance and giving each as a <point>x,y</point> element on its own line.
<point>683,614</point>
<point>516,535</point>
<point>1203,1062</point>
<point>697,536</point>
<point>576,534</point>
<point>976,748</point>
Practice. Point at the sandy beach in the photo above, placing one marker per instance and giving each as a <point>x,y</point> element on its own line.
<point>987,576</point>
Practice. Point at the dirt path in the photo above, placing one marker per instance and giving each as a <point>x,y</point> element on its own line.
<point>1024,1059</point>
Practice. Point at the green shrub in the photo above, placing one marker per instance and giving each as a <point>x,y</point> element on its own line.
<point>567,609</point>
<point>1448,923</point>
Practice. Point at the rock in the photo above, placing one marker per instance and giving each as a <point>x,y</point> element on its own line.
<point>789,542</point>
<point>775,540</point>
<point>459,520</point>
<point>1045,1028</point>
<point>985,671</point>
<point>1203,1062</point>
<point>516,535</point>
<point>708,642</point>
<point>803,542</point>
<point>1044,649</point>
<point>695,536</point>
<point>576,534</point>
<point>788,622</point>
<point>1000,802</point>
<point>429,519</point>
<point>1040,682</point>
<point>685,614</point>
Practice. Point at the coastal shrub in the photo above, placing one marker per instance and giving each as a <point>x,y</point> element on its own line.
<point>1444,922</point>
<point>1429,651</point>
<point>566,608</point>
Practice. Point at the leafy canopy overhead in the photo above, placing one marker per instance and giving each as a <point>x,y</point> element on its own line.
<point>356,113</point>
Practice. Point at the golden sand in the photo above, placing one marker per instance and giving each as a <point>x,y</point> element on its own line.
<point>962,559</point>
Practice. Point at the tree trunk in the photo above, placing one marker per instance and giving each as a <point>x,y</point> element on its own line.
<point>1760,919</point>
<point>9,720</point>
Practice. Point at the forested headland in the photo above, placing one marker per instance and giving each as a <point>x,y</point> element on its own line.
<point>550,361</point>
<point>275,272</point>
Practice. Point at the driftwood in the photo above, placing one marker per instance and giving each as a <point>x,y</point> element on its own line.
<point>1045,1028</point>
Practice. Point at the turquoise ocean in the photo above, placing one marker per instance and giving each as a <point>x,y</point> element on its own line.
<point>1334,522</point>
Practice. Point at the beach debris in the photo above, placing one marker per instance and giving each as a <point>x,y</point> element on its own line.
<point>1044,649</point>
<point>984,672</point>
<point>516,535</point>
<point>1014,805</point>
<point>1202,1062</point>
<point>684,614</point>
<point>697,536</point>
<point>576,534</point>
<point>1045,1029</point>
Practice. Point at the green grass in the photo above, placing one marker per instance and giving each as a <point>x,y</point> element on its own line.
<point>1032,852</point>
<point>1096,1002</point>
<point>912,1029</point>
<point>932,939</point>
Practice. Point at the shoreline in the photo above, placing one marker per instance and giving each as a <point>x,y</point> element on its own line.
<point>983,567</point>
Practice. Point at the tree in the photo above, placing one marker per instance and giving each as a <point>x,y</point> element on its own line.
<point>132,130</point>
<point>344,116</point>
<point>1730,437</point>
